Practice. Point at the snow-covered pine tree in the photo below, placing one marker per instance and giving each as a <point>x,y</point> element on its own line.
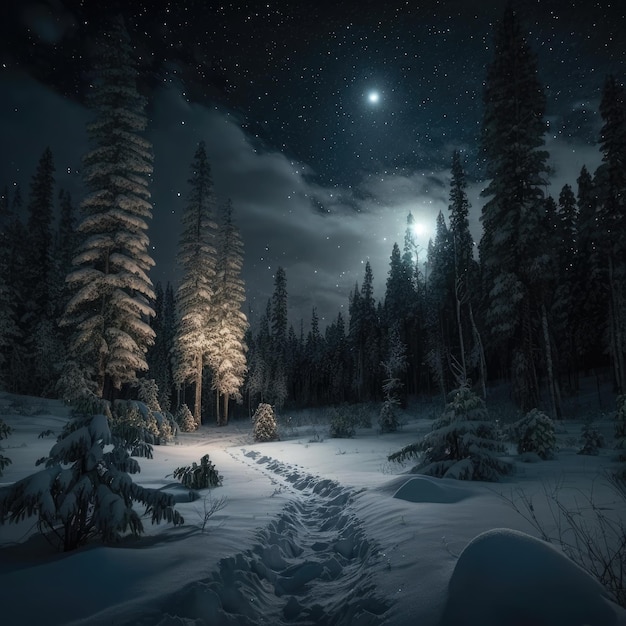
<point>228,360</point>
<point>194,297</point>
<point>37,317</point>
<point>259,361</point>
<point>516,166</point>
<point>365,338</point>
<point>440,318</point>
<point>9,330</point>
<point>534,434</point>
<point>85,490</point>
<point>38,242</point>
<point>563,305</point>
<point>111,291</point>
<point>5,431</point>
<point>462,443</point>
<point>590,301</point>
<point>264,425</point>
<point>610,182</point>
<point>394,366</point>
<point>158,356</point>
<point>12,265</point>
<point>338,363</point>
<point>185,419</point>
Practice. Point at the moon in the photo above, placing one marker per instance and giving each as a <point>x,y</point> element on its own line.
<point>373,97</point>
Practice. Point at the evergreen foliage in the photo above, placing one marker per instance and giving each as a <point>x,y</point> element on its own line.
<point>264,424</point>
<point>111,290</point>
<point>462,443</point>
<point>516,165</point>
<point>228,362</point>
<point>5,431</point>
<point>591,440</point>
<point>201,476</point>
<point>535,433</point>
<point>158,356</point>
<point>394,366</point>
<point>185,419</point>
<point>197,258</point>
<point>85,490</point>
<point>342,422</point>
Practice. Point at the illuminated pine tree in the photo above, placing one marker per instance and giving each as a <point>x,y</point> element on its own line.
<point>228,358</point>
<point>111,291</point>
<point>194,297</point>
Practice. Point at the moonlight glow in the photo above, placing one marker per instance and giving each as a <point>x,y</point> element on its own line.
<point>419,229</point>
<point>373,97</point>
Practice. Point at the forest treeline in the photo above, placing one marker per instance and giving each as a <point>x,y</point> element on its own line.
<point>538,301</point>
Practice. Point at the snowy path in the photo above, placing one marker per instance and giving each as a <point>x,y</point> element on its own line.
<point>311,565</point>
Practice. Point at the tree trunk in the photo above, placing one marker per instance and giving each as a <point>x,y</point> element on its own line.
<point>225,419</point>
<point>552,383</point>
<point>197,406</point>
<point>481,352</point>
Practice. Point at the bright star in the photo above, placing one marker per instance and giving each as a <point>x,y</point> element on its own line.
<point>373,97</point>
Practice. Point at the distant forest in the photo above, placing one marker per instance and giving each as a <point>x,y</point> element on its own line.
<point>538,302</point>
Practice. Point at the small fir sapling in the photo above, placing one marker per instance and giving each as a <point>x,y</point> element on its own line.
<point>85,490</point>
<point>196,476</point>
<point>185,419</point>
<point>148,393</point>
<point>5,431</point>
<point>342,422</point>
<point>265,427</point>
<point>535,434</point>
<point>462,443</point>
<point>137,431</point>
<point>394,366</point>
<point>591,440</point>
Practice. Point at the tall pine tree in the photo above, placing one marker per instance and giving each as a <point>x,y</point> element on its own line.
<point>229,355</point>
<point>111,291</point>
<point>512,138</point>
<point>197,259</point>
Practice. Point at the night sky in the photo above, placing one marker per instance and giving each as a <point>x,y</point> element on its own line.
<point>325,122</point>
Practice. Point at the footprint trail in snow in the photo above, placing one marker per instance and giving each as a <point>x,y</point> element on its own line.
<point>311,565</point>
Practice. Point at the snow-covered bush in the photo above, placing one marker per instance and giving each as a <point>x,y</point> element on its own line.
<point>137,431</point>
<point>5,431</point>
<point>591,440</point>
<point>85,491</point>
<point>388,418</point>
<point>462,443</point>
<point>72,385</point>
<point>535,433</point>
<point>185,419</point>
<point>201,476</point>
<point>342,422</point>
<point>148,393</point>
<point>265,427</point>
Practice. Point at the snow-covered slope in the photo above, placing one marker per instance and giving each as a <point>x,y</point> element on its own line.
<point>313,531</point>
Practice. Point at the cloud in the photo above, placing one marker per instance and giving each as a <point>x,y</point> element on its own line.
<point>321,236</point>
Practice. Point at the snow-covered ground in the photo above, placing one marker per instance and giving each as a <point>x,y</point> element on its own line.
<point>314,531</point>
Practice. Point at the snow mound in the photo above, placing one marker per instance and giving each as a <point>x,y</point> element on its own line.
<point>432,490</point>
<point>507,578</point>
